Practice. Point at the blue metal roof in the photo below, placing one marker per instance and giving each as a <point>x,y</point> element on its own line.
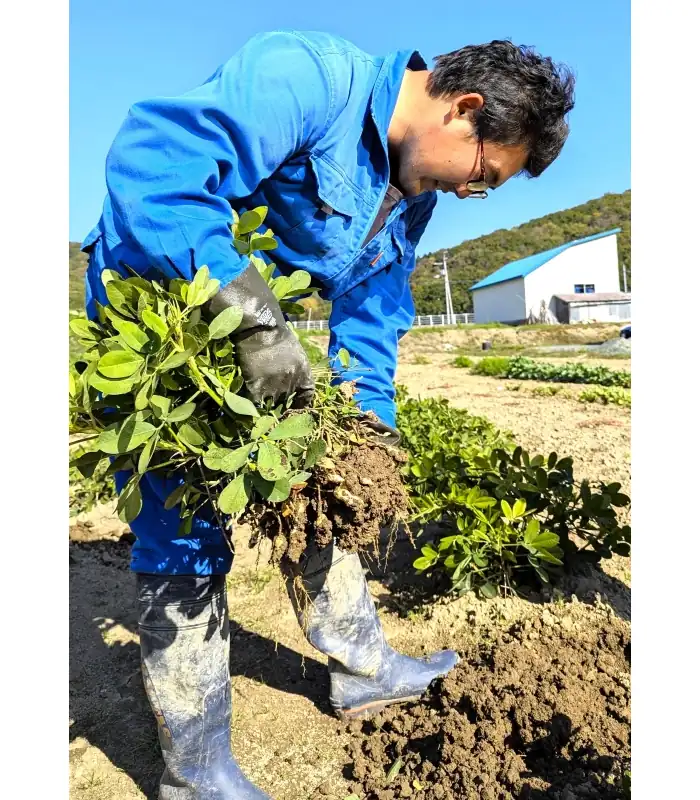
<point>524,266</point>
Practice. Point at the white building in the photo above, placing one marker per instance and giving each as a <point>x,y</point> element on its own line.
<point>570,283</point>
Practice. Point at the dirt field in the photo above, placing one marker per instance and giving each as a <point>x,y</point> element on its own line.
<point>573,741</point>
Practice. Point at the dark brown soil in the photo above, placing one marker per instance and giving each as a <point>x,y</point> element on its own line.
<point>350,498</point>
<point>539,712</point>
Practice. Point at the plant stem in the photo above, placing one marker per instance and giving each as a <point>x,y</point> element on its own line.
<point>192,364</point>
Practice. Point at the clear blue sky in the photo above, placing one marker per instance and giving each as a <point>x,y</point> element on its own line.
<point>123,51</point>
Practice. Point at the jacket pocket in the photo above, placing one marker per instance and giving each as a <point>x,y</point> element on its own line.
<point>386,248</point>
<point>311,212</point>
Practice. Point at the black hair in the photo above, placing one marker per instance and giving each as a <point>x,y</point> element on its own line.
<point>526,96</point>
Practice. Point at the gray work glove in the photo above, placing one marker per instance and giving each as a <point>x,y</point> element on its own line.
<point>273,362</point>
<point>378,431</point>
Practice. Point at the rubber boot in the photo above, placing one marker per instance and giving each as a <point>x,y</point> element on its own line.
<point>338,617</point>
<point>183,624</point>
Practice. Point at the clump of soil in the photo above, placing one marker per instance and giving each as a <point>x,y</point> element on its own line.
<point>350,498</point>
<point>537,713</point>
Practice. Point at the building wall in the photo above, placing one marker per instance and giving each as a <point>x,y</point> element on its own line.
<point>590,263</point>
<point>503,302</point>
<point>601,312</point>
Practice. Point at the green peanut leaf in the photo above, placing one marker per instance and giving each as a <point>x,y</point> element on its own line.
<point>155,323</point>
<point>262,426</point>
<point>84,329</point>
<point>87,463</point>
<point>124,438</point>
<point>200,290</point>
<point>181,413</point>
<point>176,359</point>
<point>314,453</point>
<point>235,496</point>
<point>130,501</point>
<point>197,338</point>
<point>223,459</point>
<point>519,508</point>
<point>131,334</point>
<point>225,323</point>
<point>141,401</point>
<point>483,502</point>
<point>119,363</point>
<point>299,479</point>
<point>110,386</point>
<point>507,510</point>
<point>147,453</point>
<point>545,540</point>
<point>175,497</point>
<point>193,433</point>
<point>240,405</point>
<point>276,492</point>
<point>120,463</point>
<point>547,555</point>
<point>299,281</point>
<point>488,590</point>
<point>108,275</point>
<point>258,242</point>
<point>292,308</point>
<point>532,530</point>
<point>122,296</point>
<point>280,286</point>
<point>272,463</point>
<point>251,220</point>
<point>295,427</point>
<point>160,405</point>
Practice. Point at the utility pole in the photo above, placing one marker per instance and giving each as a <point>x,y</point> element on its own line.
<point>624,278</point>
<point>449,309</point>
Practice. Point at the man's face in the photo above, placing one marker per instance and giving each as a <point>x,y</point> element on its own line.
<point>444,154</point>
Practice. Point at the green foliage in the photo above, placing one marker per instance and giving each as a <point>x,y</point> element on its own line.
<point>493,366</point>
<point>474,259</point>
<point>614,395</point>
<point>529,369</point>
<point>421,360</point>
<point>510,518</point>
<point>463,361</point>
<point>158,388</point>
<point>522,368</point>
<point>314,353</point>
<point>547,391</point>
<point>89,483</point>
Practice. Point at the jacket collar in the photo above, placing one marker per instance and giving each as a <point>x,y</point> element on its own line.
<point>386,88</point>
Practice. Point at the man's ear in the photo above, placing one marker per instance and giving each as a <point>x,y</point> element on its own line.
<point>465,105</point>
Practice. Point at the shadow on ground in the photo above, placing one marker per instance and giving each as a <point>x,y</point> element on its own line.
<point>107,702</point>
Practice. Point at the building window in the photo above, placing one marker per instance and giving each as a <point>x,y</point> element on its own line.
<point>578,288</point>
<point>590,288</point>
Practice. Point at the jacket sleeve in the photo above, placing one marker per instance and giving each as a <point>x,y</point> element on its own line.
<point>177,162</point>
<point>370,320</point>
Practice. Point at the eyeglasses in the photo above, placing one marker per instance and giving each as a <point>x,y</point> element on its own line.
<point>477,189</point>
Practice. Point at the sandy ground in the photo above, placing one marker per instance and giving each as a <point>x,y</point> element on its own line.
<point>283,733</point>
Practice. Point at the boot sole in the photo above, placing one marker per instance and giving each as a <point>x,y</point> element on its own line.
<point>370,709</point>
